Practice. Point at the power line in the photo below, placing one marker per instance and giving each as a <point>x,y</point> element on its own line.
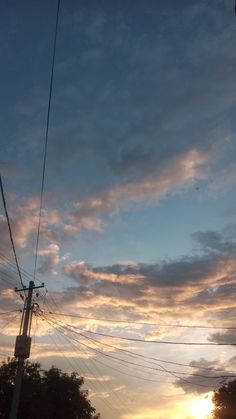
<point>93,385</point>
<point>12,318</point>
<point>131,375</point>
<point>121,402</point>
<point>9,275</point>
<point>10,271</point>
<point>119,362</point>
<point>10,231</point>
<point>8,312</point>
<point>92,373</point>
<point>27,276</point>
<point>108,366</point>
<point>165,342</point>
<point>159,341</point>
<point>197,366</point>
<point>141,323</point>
<point>149,359</point>
<point>125,362</point>
<point>6,280</point>
<point>7,262</point>
<point>163,369</point>
<point>46,137</point>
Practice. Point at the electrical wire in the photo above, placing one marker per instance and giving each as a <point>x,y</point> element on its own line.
<point>92,384</point>
<point>8,312</point>
<point>142,323</point>
<point>108,366</point>
<point>107,390</point>
<point>159,341</point>
<point>163,369</point>
<point>131,364</point>
<point>145,357</point>
<point>154,360</point>
<point>10,265</point>
<point>10,231</point>
<point>163,342</point>
<point>46,137</point>
<point>131,375</point>
<point>173,373</point>
<point>25,274</point>
<point>6,280</point>
<point>121,402</point>
<point>7,271</point>
<point>12,318</point>
<point>136,356</point>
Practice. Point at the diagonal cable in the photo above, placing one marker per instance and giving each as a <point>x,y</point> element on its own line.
<point>10,231</point>
<point>46,137</point>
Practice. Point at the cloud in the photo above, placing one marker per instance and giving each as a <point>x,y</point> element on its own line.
<point>156,93</point>
<point>11,170</point>
<point>23,213</point>
<point>219,296</point>
<point>8,300</point>
<point>222,242</point>
<point>50,259</point>
<point>24,218</point>
<point>95,27</point>
<point>178,174</point>
<point>143,109</point>
<point>144,292</point>
<point>205,280</point>
<point>223,337</point>
<point>223,179</point>
<point>211,370</point>
<point>54,229</point>
<point>200,286</point>
<point>80,271</point>
<point>22,228</point>
<point>193,271</point>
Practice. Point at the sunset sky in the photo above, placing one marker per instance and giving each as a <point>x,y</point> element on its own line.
<point>138,223</point>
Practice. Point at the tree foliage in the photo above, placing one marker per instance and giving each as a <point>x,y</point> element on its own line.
<point>48,394</point>
<point>225,401</point>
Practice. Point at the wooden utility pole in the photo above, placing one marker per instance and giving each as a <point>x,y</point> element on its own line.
<point>22,346</point>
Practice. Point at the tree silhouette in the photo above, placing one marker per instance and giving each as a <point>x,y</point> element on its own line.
<point>225,401</point>
<point>48,394</point>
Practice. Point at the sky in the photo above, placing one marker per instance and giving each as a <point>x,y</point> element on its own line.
<point>138,216</point>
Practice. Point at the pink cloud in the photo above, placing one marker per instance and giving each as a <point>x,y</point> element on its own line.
<point>180,173</point>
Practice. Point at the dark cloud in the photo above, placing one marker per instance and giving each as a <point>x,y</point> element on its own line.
<point>216,295</point>
<point>223,337</point>
<point>132,289</point>
<point>189,270</point>
<point>125,108</point>
<point>222,242</point>
<point>48,265</point>
<point>226,314</point>
<point>209,369</point>
<point>204,281</point>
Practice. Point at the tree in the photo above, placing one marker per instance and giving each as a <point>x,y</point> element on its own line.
<point>48,394</point>
<point>225,401</point>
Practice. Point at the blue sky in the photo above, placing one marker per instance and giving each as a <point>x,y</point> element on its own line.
<point>140,175</point>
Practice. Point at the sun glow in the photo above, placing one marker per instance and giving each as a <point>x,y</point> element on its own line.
<point>202,407</point>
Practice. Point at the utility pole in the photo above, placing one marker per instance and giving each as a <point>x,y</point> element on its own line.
<point>22,346</point>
